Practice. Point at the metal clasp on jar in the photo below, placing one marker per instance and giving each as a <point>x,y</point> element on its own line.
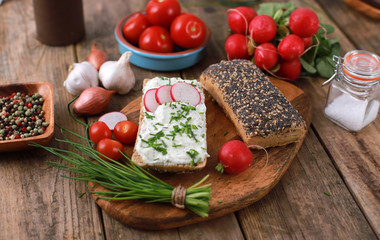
<point>338,70</point>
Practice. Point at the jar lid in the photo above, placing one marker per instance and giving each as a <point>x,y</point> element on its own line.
<point>362,65</point>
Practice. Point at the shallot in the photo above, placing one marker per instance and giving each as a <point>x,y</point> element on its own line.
<point>96,57</point>
<point>92,101</point>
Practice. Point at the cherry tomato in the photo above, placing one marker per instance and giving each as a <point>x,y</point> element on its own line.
<point>125,131</point>
<point>187,30</point>
<point>303,22</point>
<point>156,39</point>
<point>110,148</point>
<point>134,26</point>
<point>236,46</point>
<point>262,28</point>
<point>162,12</point>
<point>239,19</point>
<point>98,131</point>
<point>235,157</point>
<point>266,56</point>
<point>290,70</point>
<point>291,47</point>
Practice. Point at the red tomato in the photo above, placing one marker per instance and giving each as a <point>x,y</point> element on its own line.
<point>262,28</point>
<point>156,39</point>
<point>239,19</point>
<point>134,26</point>
<point>125,131</point>
<point>236,46</point>
<point>98,131</point>
<point>162,12</point>
<point>289,69</point>
<point>235,157</point>
<point>187,30</point>
<point>110,148</point>
<point>266,56</point>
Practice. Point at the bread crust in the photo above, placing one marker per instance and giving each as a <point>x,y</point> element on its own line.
<point>178,168</point>
<point>262,137</point>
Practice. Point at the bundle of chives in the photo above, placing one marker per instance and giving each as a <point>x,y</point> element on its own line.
<point>125,181</point>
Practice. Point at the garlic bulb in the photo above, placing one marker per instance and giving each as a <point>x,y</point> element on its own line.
<point>118,75</point>
<point>82,76</point>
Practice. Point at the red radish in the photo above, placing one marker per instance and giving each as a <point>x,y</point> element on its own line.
<point>234,157</point>
<point>239,19</point>
<point>112,118</point>
<point>291,47</point>
<point>303,22</point>
<point>262,28</point>
<point>307,41</point>
<point>163,94</point>
<point>185,92</point>
<point>266,56</point>
<point>150,102</point>
<point>236,47</point>
<point>290,70</point>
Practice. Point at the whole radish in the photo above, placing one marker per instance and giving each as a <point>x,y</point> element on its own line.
<point>234,157</point>
<point>291,47</point>
<point>290,70</point>
<point>239,19</point>
<point>266,56</point>
<point>236,47</point>
<point>262,28</point>
<point>303,22</point>
<point>307,41</point>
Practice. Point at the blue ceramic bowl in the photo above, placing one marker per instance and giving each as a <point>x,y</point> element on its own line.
<point>160,61</point>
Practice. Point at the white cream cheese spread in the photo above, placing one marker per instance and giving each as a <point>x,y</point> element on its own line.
<point>176,132</point>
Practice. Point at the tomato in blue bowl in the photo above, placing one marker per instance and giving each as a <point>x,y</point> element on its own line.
<point>179,59</point>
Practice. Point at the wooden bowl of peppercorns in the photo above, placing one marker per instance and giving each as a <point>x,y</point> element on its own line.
<point>26,115</point>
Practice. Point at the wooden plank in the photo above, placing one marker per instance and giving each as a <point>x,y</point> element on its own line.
<point>221,228</point>
<point>356,155</point>
<point>36,202</point>
<point>370,198</point>
<point>310,200</point>
<point>362,31</point>
<point>100,20</point>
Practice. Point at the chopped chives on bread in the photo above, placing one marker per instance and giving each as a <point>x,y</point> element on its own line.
<point>173,137</point>
<point>259,111</point>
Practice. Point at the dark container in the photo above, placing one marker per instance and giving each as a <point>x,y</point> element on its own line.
<point>59,22</point>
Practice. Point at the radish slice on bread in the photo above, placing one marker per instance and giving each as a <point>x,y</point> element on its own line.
<point>150,102</point>
<point>163,94</point>
<point>185,92</point>
<point>112,118</point>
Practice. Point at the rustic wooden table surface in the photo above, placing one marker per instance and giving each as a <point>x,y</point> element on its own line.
<point>330,191</point>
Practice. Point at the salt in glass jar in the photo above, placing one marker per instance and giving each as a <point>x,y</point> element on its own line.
<point>354,94</point>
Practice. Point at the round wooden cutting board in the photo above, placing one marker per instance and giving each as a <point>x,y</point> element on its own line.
<point>229,193</point>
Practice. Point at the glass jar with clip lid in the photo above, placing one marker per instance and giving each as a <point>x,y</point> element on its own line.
<point>354,94</point>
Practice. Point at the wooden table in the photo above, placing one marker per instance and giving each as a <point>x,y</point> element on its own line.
<point>330,191</point>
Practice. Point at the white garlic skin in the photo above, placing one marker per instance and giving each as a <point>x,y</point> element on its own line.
<point>118,75</point>
<point>82,76</point>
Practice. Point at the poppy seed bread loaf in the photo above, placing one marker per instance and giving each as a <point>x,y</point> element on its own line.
<point>260,112</point>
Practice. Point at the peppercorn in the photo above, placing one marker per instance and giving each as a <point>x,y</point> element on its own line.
<point>21,116</point>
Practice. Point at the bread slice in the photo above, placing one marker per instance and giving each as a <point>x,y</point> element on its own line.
<point>148,157</point>
<point>259,111</point>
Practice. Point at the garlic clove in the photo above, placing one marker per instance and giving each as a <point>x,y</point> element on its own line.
<point>81,76</point>
<point>92,101</point>
<point>118,75</point>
